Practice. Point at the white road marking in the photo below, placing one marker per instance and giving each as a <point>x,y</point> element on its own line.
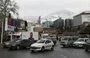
<point>64,56</point>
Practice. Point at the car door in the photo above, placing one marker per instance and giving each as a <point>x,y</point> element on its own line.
<point>23,43</point>
<point>70,41</point>
<point>48,44</point>
<point>88,43</point>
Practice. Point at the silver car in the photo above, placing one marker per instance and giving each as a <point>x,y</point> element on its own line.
<point>80,42</point>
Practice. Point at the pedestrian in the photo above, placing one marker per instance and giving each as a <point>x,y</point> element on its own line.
<point>31,37</point>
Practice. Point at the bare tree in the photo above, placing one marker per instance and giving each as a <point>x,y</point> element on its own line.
<point>6,7</point>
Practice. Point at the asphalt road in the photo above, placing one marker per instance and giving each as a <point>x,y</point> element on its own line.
<point>57,53</point>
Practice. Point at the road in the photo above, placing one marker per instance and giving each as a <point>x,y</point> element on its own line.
<point>57,53</point>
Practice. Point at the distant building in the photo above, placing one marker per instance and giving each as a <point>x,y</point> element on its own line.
<point>81,18</point>
<point>47,24</point>
<point>59,23</point>
<point>39,20</point>
<point>50,31</point>
<point>68,23</point>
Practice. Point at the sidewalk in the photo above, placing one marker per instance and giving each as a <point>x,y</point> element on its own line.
<point>0,46</point>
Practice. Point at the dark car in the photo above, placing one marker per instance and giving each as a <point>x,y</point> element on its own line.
<point>7,43</point>
<point>87,46</point>
<point>19,44</point>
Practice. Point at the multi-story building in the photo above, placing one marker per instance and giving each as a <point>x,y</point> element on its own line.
<point>68,23</point>
<point>81,18</point>
<point>47,24</point>
<point>59,23</point>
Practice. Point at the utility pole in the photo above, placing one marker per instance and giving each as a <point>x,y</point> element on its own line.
<point>2,32</point>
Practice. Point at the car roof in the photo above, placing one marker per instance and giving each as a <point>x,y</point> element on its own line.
<point>45,39</point>
<point>84,38</point>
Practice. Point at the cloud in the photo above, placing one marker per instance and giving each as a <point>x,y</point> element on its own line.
<point>45,7</point>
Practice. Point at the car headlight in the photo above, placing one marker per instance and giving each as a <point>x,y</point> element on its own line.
<point>7,43</point>
<point>39,46</point>
<point>13,44</point>
<point>75,43</point>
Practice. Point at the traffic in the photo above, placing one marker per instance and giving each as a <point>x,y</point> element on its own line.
<point>48,43</point>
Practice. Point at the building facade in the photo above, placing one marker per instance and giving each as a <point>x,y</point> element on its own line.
<point>59,23</point>
<point>81,18</point>
<point>68,23</point>
<point>47,24</point>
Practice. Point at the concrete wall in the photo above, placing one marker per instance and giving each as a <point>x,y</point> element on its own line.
<point>26,34</point>
<point>85,18</point>
<point>35,34</point>
<point>77,20</point>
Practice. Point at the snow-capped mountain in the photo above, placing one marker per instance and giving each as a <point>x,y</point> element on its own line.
<point>32,19</point>
<point>64,14</point>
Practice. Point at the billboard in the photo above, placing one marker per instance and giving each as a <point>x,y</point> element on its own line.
<point>38,29</point>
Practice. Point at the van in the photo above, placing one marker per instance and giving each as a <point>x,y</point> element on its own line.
<point>67,41</point>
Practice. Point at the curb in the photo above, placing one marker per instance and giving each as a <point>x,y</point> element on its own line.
<point>1,46</point>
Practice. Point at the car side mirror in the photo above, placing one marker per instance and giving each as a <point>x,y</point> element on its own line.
<point>45,42</point>
<point>85,40</point>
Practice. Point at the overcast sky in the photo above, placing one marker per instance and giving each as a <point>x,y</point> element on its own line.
<point>45,7</point>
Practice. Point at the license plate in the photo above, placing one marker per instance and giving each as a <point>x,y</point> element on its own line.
<point>80,45</point>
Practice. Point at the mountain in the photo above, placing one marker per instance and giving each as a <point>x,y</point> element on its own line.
<point>32,19</point>
<point>64,14</point>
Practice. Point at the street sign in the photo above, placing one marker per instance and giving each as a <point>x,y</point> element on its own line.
<point>10,28</point>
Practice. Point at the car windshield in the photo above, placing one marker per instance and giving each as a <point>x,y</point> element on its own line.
<point>88,41</point>
<point>41,41</point>
<point>64,39</point>
<point>18,40</point>
<point>81,39</point>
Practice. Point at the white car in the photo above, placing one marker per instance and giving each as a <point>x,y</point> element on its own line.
<point>80,42</point>
<point>42,45</point>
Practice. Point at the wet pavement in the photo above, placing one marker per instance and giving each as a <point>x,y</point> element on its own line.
<point>57,53</point>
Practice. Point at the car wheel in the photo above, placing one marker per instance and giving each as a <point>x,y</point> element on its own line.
<point>52,48</point>
<point>86,49</point>
<point>9,48</point>
<point>17,47</point>
<point>64,45</point>
<point>32,51</point>
<point>42,49</point>
<point>4,47</point>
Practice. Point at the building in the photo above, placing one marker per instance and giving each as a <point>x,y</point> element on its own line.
<point>68,23</point>
<point>81,18</point>
<point>49,31</point>
<point>59,23</point>
<point>34,28</point>
<point>47,24</point>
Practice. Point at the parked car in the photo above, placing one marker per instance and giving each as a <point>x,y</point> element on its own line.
<point>53,39</point>
<point>87,45</point>
<point>7,43</point>
<point>19,44</point>
<point>42,45</point>
<point>68,41</point>
<point>80,42</point>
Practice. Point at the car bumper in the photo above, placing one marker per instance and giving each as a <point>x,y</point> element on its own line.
<point>87,46</point>
<point>78,45</point>
<point>5,46</point>
<point>12,47</point>
<point>63,43</point>
<point>35,48</point>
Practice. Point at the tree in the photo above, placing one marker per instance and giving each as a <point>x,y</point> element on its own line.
<point>86,30</point>
<point>6,7</point>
